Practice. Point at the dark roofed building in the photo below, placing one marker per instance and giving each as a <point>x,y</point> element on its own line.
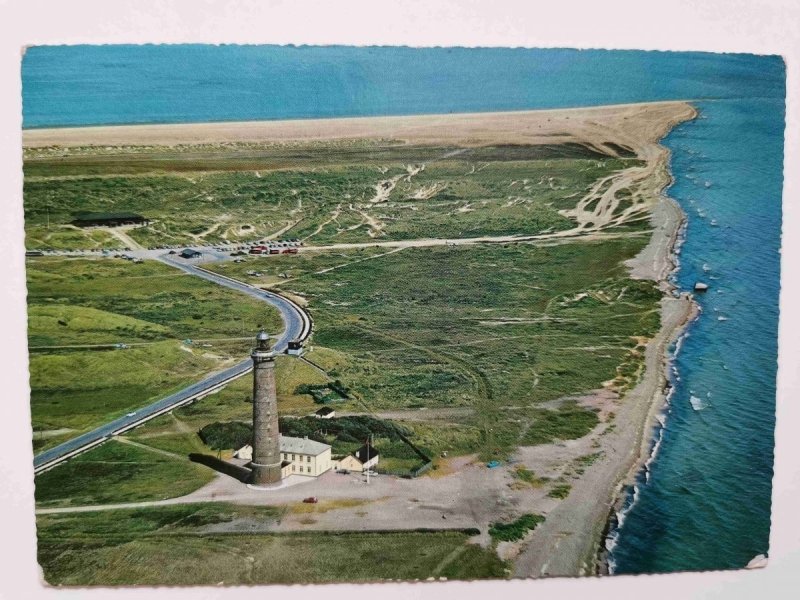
<point>326,412</point>
<point>367,455</point>
<point>100,219</point>
<point>295,348</point>
<point>190,253</point>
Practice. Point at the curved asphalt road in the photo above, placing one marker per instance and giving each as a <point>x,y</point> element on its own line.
<point>297,325</point>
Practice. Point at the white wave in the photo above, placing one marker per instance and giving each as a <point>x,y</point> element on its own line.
<point>697,403</point>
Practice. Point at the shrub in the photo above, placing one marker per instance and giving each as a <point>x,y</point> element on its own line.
<point>560,491</point>
<point>230,435</point>
<point>516,530</point>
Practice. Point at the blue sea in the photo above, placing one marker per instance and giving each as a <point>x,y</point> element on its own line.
<point>705,501</point>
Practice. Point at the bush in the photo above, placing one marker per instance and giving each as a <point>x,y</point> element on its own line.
<point>347,429</point>
<point>231,435</point>
<point>516,530</point>
<point>560,491</point>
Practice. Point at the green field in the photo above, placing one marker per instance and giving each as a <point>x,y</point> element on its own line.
<point>78,309</point>
<point>495,327</point>
<point>119,472</point>
<point>322,192</point>
<point>505,331</point>
<point>129,302</point>
<point>189,545</point>
<point>80,390</point>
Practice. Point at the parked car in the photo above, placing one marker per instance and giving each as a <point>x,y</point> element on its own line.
<point>310,500</point>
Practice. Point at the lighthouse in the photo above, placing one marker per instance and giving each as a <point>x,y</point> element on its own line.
<point>266,461</point>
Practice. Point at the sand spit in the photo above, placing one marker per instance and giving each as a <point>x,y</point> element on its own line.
<point>636,126</point>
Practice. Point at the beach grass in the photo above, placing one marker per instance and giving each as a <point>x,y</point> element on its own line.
<point>115,472</point>
<point>515,530</point>
<point>200,544</point>
<point>79,309</point>
<point>321,193</point>
<point>500,329</point>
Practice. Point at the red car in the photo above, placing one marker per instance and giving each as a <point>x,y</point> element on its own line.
<point>310,500</point>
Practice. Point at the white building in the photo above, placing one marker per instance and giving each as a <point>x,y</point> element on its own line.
<point>301,456</point>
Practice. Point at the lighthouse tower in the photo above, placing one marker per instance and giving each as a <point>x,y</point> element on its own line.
<point>266,462</point>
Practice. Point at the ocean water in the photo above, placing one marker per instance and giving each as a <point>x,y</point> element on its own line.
<point>705,501</point>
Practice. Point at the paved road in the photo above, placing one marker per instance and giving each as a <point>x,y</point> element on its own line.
<point>296,326</point>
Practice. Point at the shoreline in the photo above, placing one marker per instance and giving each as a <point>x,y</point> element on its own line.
<point>474,128</point>
<point>243,122</point>
<point>571,541</point>
<point>655,423</point>
<point>655,419</point>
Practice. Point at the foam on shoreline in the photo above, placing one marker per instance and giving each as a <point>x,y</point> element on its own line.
<point>629,487</point>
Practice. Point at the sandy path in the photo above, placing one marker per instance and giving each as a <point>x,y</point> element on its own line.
<point>282,230</point>
<point>121,234</point>
<point>130,442</point>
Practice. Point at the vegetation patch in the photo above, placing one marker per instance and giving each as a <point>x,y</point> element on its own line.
<point>569,422</point>
<point>115,472</point>
<point>324,393</point>
<point>560,491</point>
<point>515,530</point>
<point>230,435</point>
<point>177,545</point>
<point>529,478</point>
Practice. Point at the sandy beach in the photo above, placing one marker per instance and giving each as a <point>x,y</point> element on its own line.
<point>635,126</point>
<point>567,543</point>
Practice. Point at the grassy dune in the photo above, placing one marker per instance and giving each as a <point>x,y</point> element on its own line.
<point>74,303</point>
<point>178,546</point>
<point>139,302</point>
<point>119,472</point>
<point>84,389</point>
<point>323,192</point>
<point>496,328</point>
